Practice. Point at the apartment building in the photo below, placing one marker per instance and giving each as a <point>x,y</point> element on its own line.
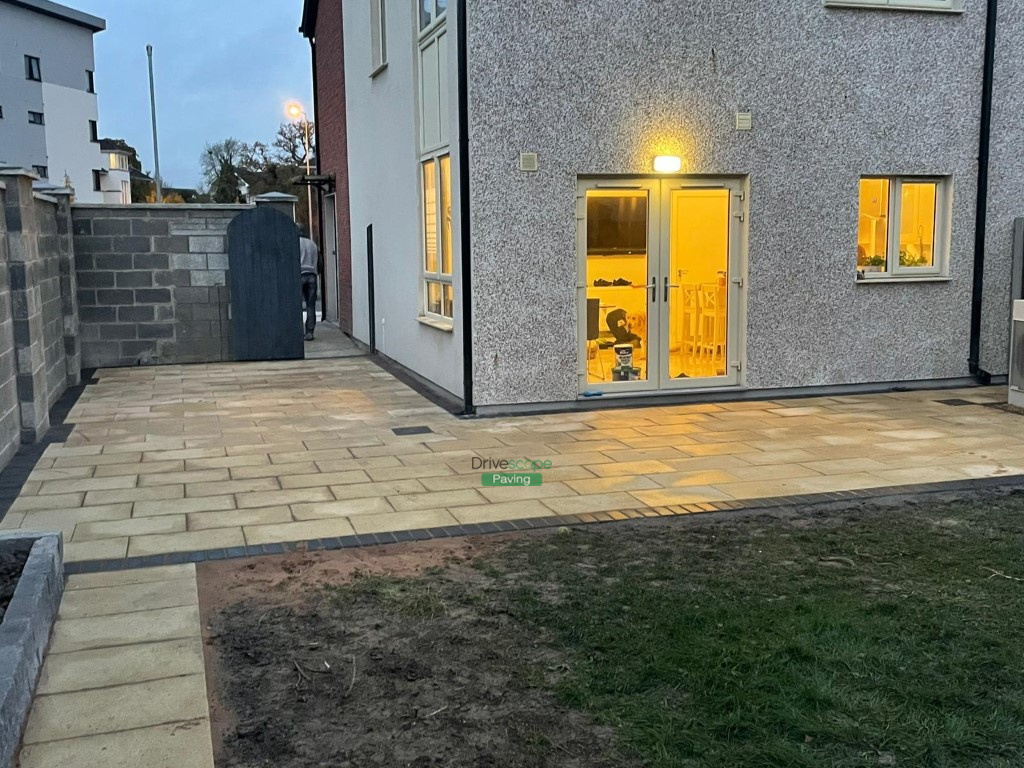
<point>49,120</point>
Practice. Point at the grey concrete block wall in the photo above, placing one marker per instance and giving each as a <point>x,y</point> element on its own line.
<point>10,418</point>
<point>152,283</point>
<point>35,253</point>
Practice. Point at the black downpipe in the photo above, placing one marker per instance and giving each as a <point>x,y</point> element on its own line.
<point>464,210</point>
<point>371,298</point>
<point>981,221</point>
<point>319,193</point>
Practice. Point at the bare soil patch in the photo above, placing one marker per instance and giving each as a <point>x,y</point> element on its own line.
<point>304,675</point>
<point>841,636</point>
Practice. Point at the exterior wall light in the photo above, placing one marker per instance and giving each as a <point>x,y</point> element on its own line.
<point>667,164</point>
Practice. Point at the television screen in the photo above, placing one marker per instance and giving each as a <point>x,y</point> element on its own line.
<point>616,225</point>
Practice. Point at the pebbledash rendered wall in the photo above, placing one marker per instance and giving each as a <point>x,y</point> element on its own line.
<point>39,353</point>
<point>152,283</point>
<point>835,94</point>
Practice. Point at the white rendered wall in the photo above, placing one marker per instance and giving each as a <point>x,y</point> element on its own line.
<point>384,177</point>
<point>70,151</point>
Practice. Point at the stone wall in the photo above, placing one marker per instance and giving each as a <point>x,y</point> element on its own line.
<point>152,283</point>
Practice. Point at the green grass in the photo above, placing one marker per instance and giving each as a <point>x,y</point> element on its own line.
<point>877,639</point>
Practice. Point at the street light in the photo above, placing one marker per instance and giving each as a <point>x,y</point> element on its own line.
<point>295,111</point>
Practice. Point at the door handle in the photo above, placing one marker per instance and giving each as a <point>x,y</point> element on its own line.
<point>667,286</point>
<point>653,285</point>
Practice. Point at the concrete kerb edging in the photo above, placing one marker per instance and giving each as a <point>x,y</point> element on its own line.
<point>25,631</point>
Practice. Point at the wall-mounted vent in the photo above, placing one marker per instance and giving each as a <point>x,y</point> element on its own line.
<point>1017,356</point>
<point>744,121</point>
<point>528,161</point>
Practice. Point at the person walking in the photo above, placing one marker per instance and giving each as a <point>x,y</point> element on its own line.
<point>309,257</point>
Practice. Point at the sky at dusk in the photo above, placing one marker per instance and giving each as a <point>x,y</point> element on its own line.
<point>223,68</point>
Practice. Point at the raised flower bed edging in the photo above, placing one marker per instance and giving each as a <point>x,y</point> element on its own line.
<point>25,631</point>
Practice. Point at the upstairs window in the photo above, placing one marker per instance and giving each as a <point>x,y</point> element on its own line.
<point>378,35</point>
<point>42,171</point>
<point>94,131</point>
<point>33,70</point>
<point>118,162</point>
<point>903,228</point>
<point>36,118</point>
<point>97,181</point>
<point>90,81</point>
<point>431,11</point>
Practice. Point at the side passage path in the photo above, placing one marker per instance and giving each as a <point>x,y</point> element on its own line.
<point>123,685</point>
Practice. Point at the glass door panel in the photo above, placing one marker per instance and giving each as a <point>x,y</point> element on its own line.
<point>618,275</point>
<point>697,282</point>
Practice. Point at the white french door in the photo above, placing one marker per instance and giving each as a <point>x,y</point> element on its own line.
<point>660,282</point>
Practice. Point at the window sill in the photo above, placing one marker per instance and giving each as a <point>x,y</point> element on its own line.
<point>446,326</point>
<point>923,279</point>
<point>378,70</point>
<point>883,6</point>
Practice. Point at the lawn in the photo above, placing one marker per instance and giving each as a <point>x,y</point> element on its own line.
<point>857,637</point>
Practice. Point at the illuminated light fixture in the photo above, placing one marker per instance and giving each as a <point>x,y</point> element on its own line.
<point>667,164</point>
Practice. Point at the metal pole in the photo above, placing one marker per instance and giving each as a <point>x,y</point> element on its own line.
<point>156,146</point>
<point>309,172</point>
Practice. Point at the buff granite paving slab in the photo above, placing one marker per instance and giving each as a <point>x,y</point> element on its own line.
<point>101,549</point>
<point>319,479</point>
<point>128,598</point>
<point>232,518</point>
<point>121,665</point>
<point>146,626</point>
<point>139,468</point>
<point>137,526</point>
<point>159,544</point>
<point>183,506</point>
<point>118,708</point>
<point>328,509</point>
<point>411,502</point>
<point>299,531</point>
<point>189,477</point>
<point>403,521</point>
<point>500,511</point>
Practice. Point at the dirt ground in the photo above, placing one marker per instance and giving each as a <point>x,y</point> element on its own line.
<point>11,565</point>
<point>302,675</point>
<point>347,660</point>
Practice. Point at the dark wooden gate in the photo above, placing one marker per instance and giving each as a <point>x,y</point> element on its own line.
<point>263,254</point>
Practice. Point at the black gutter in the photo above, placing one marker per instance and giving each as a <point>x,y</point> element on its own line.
<point>981,210</point>
<point>468,408</point>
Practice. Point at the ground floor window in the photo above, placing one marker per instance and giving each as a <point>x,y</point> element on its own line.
<point>439,294</point>
<point>903,226</point>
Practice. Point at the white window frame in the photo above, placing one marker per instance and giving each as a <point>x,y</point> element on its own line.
<point>943,218</point>
<point>378,36</point>
<point>427,36</point>
<point>940,6</point>
<point>438,275</point>
<point>437,16</point>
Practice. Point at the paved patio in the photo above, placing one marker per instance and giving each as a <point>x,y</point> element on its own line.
<point>178,459</point>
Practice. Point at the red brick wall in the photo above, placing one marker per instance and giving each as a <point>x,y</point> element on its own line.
<point>332,130</point>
